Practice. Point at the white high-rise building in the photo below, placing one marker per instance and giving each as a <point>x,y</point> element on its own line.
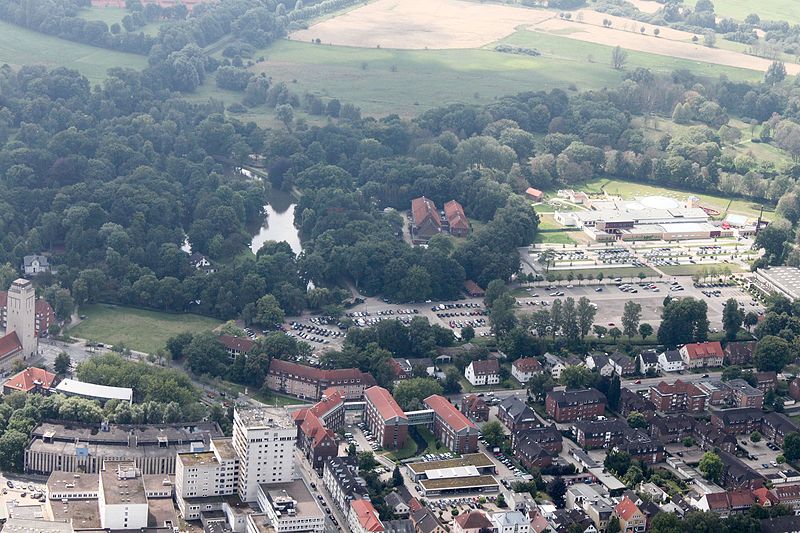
<point>21,318</point>
<point>264,439</point>
<point>202,475</point>
<point>122,500</point>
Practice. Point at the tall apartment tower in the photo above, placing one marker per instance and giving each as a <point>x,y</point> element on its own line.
<point>21,317</point>
<point>264,439</point>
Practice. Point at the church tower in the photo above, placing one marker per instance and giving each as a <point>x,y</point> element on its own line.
<point>21,315</point>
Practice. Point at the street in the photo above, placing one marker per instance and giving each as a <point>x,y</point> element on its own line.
<point>312,479</point>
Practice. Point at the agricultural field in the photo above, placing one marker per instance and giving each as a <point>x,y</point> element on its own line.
<point>20,46</point>
<point>771,9</point>
<point>138,329</point>
<point>114,15</point>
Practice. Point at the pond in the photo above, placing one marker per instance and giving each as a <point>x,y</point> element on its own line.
<point>278,223</point>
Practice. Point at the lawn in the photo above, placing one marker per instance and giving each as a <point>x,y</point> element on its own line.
<point>138,329</point>
<point>688,270</point>
<point>408,450</point>
<point>20,46</point>
<point>772,10</point>
<point>430,441</point>
<point>629,190</point>
<point>554,237</point>
<point>610,272</point>
<point>111,15</point>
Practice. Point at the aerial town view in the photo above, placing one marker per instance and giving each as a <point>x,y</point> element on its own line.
<point>399,266</point>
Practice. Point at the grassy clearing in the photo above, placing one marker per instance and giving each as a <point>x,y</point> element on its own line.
<point>610,272</point>
<point>555,237</point>
<point>772,10</point>
<point>138,329</point>
<point>628,190</point>
<point>430,440</point>
<point>408,450</point>
<point>114,15</point>
<point>688,270</point>
<point>19,46</point>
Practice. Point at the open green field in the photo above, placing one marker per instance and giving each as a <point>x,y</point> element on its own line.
<point>555,237</point>
<point>627,190</point>
<point>112,15</point>
<point>378,80</point>
<point>138,329</point>
<point>689,270</point>
<point>610,272</point>
<point>19,46</point>
<point>770,9</point>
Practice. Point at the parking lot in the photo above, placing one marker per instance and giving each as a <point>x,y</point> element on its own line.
<point>761,456</point>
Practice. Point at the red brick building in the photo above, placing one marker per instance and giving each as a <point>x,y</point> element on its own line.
<point>475,408</point>
<point>569,406</point>
<point>737,421</point>
<point>317,442</point>
<point>456,219</point>
<point>310,382</point>
<point>425,219</point>
<point>451,427</point>
<point>679,397</point>
<point>384,418</point>
<point>739,353</point>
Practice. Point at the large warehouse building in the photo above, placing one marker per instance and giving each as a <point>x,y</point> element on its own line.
<point>781,280</point>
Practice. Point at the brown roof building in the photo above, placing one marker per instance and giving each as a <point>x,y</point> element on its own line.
<point>309,382</point>
<point>739,353</point>
<point>456,219</point>
<point>425,219</point>
<point>32,379</point>
<point>451,427</point>
<point>534,194</point>
<point>702,354</point>
<point>236,345</point>
<point>475,408</point>
<point>569,406</point>
<point>384,418</point>
<point>679,397</point>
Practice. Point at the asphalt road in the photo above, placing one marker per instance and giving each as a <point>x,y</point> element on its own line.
<point>310,477</point>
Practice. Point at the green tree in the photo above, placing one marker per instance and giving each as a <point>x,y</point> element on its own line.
<point>12,450</point>
<point>586,314</point>
<point>617,462</point>
<point>539,385</point>
<point>351,450</point>
<point>683,320</point>
<point>467,333</point>
<point>732,318</point>
<point>776,73</point>
<point>556,489</point>
<point>711,467</point>
<point>268,311</point>
<point>645,330</point>
<point>614,393</point>
<point>615,333</point>
<point>636,420</point>
<point>791,446</point>
<point>613,525</point>
<point>576,377</point>
<point>62,363</point>
<point>452,381</point>
<point>633,476</point>
<point>397,477</point>
<point>750,320</point>
<point>493,433</point>
<point>501,501</point>
<point>755,436</point>
<point>772,353</point>
<point>409,393</point>
<point>631,316</point>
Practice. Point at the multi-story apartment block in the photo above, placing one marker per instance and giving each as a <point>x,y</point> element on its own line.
<point>737,421</point>
<point>483,372</point>
<point>744,395</point>
<point>569,406</point>
<point>592,434</point>
<point>203,475</point>
<point>451,427</point>
<point>122,500</point>
<point>363,518</point>
<point>384,418</point>
<point>310,382</point>
<point>516,414</point>
<point>264,439</point>
<point>678,397</point>
<point>548,437</point>
<point>524,369</point>
<point>341,478</point>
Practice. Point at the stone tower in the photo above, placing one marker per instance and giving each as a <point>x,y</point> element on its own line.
<point>21,315</point>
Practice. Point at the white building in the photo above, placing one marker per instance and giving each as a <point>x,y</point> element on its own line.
<point>35,264</point>
<point>203,475</point>
<point>122,498</point>
<point>363,518</point>
<point>286,507</point>
<point>92,391</point>
<point>781,280</point>
<point>670,361</point>
<point>483,372</point>
<point>264,440</point>
<point>21,315</point>
<point>524,369</point>
<point>510,522</point>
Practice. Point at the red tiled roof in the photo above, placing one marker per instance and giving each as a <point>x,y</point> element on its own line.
<point>679,387</point>
<point>533,192</point>
<point>422,208</point>
<point>717,500</point>
<point>787,492</point>
<point>741,498</point>
<point>455,215</point>
<point>383,400</point>
<point>28,379</point>
<point>239,344</point>
<point>701,350</point>
<point>316,374</point>
<point>315,430</point>
<point>367,515</point>
<point>764,496</point>
<point>474,520</point>
<point>527,364</point>
<point>448,413</point>
<point>9,345</point>
<point>473,401</point>
<point>487,367</point>
<point>331,398</point>
<point>472,287</point>
<point>625,509</point>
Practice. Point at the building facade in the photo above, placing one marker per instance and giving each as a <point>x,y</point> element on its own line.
<point>451,427</point>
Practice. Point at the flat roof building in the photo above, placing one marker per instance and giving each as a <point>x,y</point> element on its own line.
<point>783,280</point>
<point>102,393</point>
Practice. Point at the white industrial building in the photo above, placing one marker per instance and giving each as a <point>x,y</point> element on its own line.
<point>781,280</point>
<point>264,440</point>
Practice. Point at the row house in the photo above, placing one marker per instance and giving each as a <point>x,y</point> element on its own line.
<point>788,495</point>
<point>630,401</point>
<point>341,478</point>
<point>737,421</point>
<point>739,353</point>
<point>569,406</point>
<point>516,415</point>
<point>317,442</point>
<point>475,408</point>
<point>528,451</point>
<point>451,427</point>
<point>309,382</point>
<point>737,475</point>
<point>716,391</point>
<point>678,397</point>
<point>709,437</point>
<point>702,354</point>
<point>599,433</point>
<point>728,502</point>
<point>775,427</point>
<point>364,518</point>
<point>524,369</point>
<point>548,437</point>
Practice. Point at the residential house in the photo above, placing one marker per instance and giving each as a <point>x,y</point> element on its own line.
<point>775,427</point>
<point>794,389</point>
<point>737,475</point>
<point>788,495</point>
<point>702,354</point>
<point>475,408</point>
<point>781,524</point>
<point>678,397</point>
<point>728,502</point>
<point>406,368</point>
<point>385,419</point>
<point>398,503</point>
<point>623,365</point>
<point>766,381</point>
<point>569,406</point>
<point>534,194</point>
<point>590,501</point>
<point>648,361</point>
<point>456,219</point>
<point>548,437</point>
<point>739,353</point>
<point>236,345</point>
<point>717,392</point>
<point>630,402</point>
<point>510,522</point>
<point>472,522</point>
<point>317,442</point>
<point>571,520</point>
<point>426,522</point>
<point>480,373</point>
<point>744,395</point>
<point>672,428</point>
<point>709,437</point>
<point>524,369</point>
<point>555,364</point>
<point>425,219</point>
<point>363,518</point>
<point>593,434</point>
<point>642,447</point>
<point>600,363</point>
<point>202,263</point>
<point>529,452</point>
<point>670,361</point>
<point>631,518</point>
<point>737,421</point>
<point>31,380</point>
<point>516,414</point>
<point>341,478</point>
<point>33,265</point>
